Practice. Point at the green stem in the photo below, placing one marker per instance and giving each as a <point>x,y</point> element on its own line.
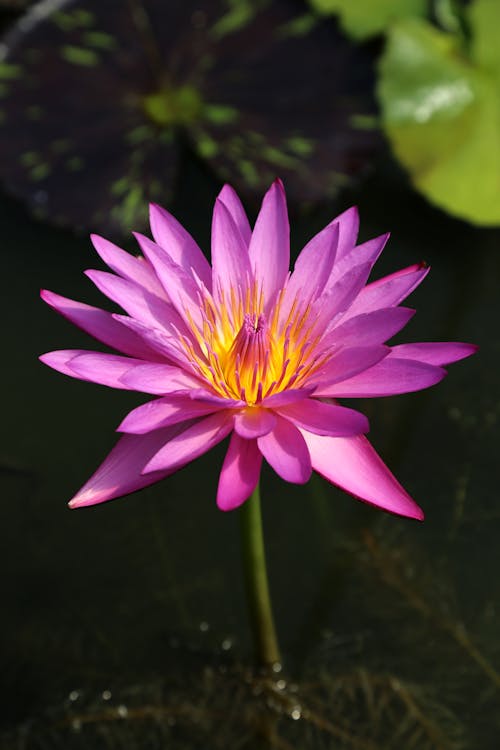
<point>254,566</point>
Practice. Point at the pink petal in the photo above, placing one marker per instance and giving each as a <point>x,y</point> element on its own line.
<point>352,464</point>
<point>254,422</point>
<point>136,301</point>
<point>315,262</point>
<point>102,368</point>
<point>286,451</point>
<point>389,291</point>
<point>94,367</point>
<point>312,269</point>
<point>345,364</point>
<point>179,285</point>
<point>239,474</point>
<point>340,296</point>
<point>230,262</point>
<point>165,411</point>
<point>270,244</point>
<point>209,397</point>
<point>286,397</point>
<point>101,325</point>
<point>128,266</point>
<point>193,442</point>
<point>158,379</point>
<point>349,227</point>
<point>389,377</point>
<point>369,328</point>
<point>325,419</point>
<point>233,204</point>
<point>178,243</point>
<point>433,352</point>
<point>120,473</point>
<point>368,252</point>
<point>168,346</point>
<point>59,360</point>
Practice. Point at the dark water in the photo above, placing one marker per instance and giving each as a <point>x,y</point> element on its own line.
<point>124,625</point>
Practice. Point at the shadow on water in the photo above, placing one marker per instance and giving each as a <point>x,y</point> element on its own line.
<point>124,625</point>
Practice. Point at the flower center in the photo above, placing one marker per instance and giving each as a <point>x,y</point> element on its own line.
<point>246,355</point>
<point>248,360</point>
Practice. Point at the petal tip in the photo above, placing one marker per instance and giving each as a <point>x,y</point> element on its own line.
<point>82,500</point>
<point>472,349</point>
<point>413,512</point>
<point>47,296</point>
<point>226,188</point>
<point>91,496</point>
<point>223,505</point>
<point>351,213</point>
<point>154,209</point>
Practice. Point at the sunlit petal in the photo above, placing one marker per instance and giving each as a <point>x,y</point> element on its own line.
<point>239,474</point>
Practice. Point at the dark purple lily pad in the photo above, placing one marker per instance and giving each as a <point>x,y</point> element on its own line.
<point>95,98</point>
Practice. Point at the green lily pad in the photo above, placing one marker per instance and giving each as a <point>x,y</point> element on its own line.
<point>364,18</point>
<point>98,101</point>
<point>484,20</point>
<point>441,111</point>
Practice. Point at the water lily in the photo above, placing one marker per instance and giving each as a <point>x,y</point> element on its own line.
<point>247,349</point>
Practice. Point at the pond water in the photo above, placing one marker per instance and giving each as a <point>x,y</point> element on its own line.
<point>124,625</point>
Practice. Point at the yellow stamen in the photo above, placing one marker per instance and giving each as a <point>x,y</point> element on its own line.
<point>244,356</point>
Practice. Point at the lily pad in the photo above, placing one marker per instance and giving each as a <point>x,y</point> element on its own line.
<point>364,18</point>
<point>484,20</point>
<point>98,99</point>
<point>441,112</point>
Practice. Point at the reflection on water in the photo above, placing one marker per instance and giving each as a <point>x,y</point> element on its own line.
<point>125,624</point>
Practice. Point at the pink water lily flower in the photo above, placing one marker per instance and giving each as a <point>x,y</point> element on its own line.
<point>247,348</point>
